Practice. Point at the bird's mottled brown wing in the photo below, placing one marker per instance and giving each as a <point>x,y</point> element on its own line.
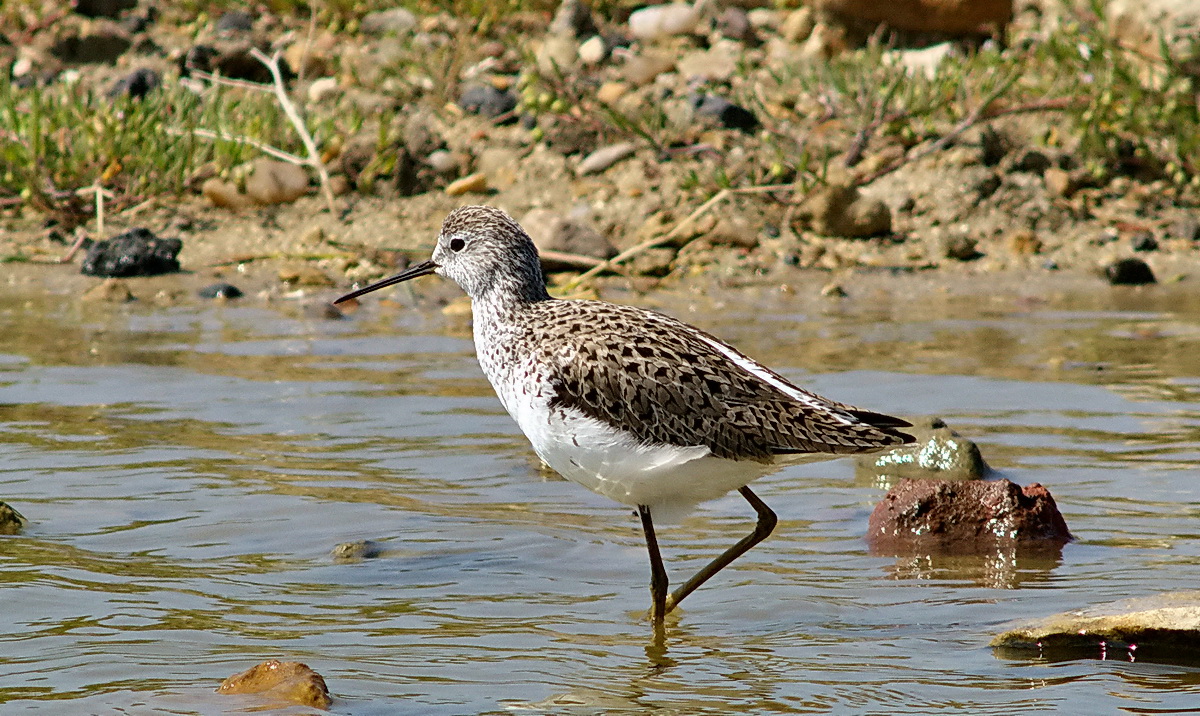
<point>666,382</point>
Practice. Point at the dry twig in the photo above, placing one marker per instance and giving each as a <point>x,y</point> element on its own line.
<point>314,155</point>
<point>221,136</point>
<point>675,231</point>
<point>977,116</point>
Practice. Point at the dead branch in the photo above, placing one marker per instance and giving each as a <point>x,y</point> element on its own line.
<point>675,231</point>
<point>314,155</point>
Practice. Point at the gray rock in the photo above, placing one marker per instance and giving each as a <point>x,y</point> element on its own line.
<point>136,84</point>
<point>487,100</point>
<point>605,157</point>
<point>220,290</point>
<point>1163,627</point>
<point>137,252</point>
<point>735,24</point>
<point>730,115</point>
<point>1143,241</point>
<point>276,182</point>
<point>357,550</point>
<point>235,21</point>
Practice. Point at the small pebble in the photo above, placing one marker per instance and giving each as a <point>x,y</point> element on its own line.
<point>223,193</point>
<point>593,51</point>
<point>471,184</point>
<point>1187,229</point>
<point>276,182</point>
<point>1129,272</point>
<point>610,92</point>
<point>322,89</point>
<point>734,24</point>
<point>833,290</point>
<point>487,100</point>
<point>655,21</point>
<point>961,248</point>
<point>221,290</point>
<point>358,550</point>
<point>235,21</point>
<point>605,157</point>
<point>112,290</point>
<point>730,115</point>
<point>136,84</point>
<point>1143,241</point>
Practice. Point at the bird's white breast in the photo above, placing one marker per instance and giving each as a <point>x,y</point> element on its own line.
<point>669,479</point>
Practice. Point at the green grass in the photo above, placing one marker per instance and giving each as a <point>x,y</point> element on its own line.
<point>1115,111</point>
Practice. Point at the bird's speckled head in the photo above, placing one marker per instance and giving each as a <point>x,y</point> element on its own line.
<point>485,252</point>
<point>489,255</point>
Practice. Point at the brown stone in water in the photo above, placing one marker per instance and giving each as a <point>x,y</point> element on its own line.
<point>965,516</point>
<point>11,521</point>
<point>283,681</point>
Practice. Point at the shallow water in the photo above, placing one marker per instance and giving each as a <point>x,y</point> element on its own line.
<point>187,471</point>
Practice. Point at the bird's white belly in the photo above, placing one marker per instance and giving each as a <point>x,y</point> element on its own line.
<point>669,479</point>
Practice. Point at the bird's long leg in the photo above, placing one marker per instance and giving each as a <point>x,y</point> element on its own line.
<point>764,526</point>
<point>658,573</point>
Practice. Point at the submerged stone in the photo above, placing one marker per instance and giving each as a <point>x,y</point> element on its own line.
<point>938,453</point>
<point>357,550</point>
<point>137,252</point>
<point>1164,627</point>
<point>11,521</point>
<point>280,682</point>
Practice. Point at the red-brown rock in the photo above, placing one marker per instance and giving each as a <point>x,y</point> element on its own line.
<point>965,516</point>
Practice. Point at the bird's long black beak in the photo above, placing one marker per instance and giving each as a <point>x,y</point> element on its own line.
<point>421,269</point>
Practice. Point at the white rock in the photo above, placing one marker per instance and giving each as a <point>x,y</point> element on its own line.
<point>442,161</point>
<point>322,89</point>
<point>924,61</point>
<point>651,23</point>
<point>605,157</point>
<point>593,51</point>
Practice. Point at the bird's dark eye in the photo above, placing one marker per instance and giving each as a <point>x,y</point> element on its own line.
<point>457,244</point>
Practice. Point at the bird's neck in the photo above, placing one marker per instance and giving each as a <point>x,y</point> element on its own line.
<point>503,303</point>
